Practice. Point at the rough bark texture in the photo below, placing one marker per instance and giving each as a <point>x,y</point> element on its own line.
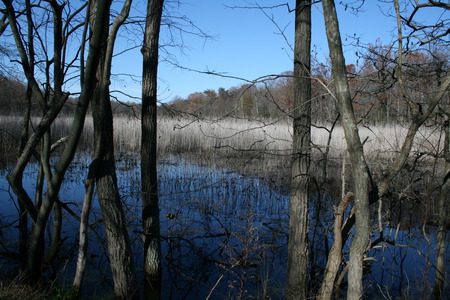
<point>118,241</point>
<point>119,248</point>
<point>297,280</point>
<point>55,242</point>
<point>150,205</point>
<point>104,170</point>
<point>360,171</point>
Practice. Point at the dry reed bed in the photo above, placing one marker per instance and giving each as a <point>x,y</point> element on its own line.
<point>237,137</point>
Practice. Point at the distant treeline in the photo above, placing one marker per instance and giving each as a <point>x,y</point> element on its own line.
<point>376,95</point>
<point>374,86</point>
<point>13,101</point>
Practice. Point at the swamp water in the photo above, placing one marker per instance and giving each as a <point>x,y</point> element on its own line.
<point>224,235</point>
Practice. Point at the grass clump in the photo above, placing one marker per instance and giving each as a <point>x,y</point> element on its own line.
<point>41,291</point>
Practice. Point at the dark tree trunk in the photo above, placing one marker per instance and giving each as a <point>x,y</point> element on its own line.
<point>55,242</point>
<point>438,289</point>
<point>104,169</point>
<point>297,280</point>
<point>119,246</point>
<point>23,217</point>
<point>150,205</point>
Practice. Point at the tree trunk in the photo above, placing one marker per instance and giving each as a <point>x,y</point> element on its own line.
<point>297,280</point>
<point>119,246</point>
<point>104,168</point>
<point>335,255</point>
<point>23,217</point>
<point>89,184</point>
<point>150,205</point>
<point>55,242</point>
<point>438,289</point>
<point>360,171</point>
<point>40,215</point>
<point>118,241</point>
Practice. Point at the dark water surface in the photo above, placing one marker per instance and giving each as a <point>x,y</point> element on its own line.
<point>224,235</point>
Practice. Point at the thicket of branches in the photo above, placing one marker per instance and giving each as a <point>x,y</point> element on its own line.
<point>374,85</point>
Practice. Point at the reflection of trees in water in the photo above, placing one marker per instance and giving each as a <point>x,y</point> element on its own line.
<point>210,253</point>
<point>227,233</point>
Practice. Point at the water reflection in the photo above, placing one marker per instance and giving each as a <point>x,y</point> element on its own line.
<point>224,235</point>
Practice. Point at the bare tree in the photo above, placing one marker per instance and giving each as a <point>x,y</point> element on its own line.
<point>360,170</point>
<point>297,280</point>
<point>150,205</point>
<point>95,78</point>
<point>103,164</point>
<point>51,103</point>
<point>443,222</point>
<point>366,191</point>
<point>431,34</point>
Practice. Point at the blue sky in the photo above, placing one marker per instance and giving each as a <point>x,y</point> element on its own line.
<point>246,44</point>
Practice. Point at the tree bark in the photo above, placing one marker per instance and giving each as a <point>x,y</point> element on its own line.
<point>150,205</point>
<point>118,241</point>
<point>438,289</point>
<point>55,242</point>
<point>335,255</point>
<point>89,184</point>
<point>40,214</point>
<point>297,280</point>
<point>360,171</point>
<point>23,217</point>
<point>104,170</point>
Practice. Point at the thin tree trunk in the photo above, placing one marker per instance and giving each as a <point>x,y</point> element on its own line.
<point>150,205</point>
<point>438,290</point>
<point>40,217</point>
<point>335,255</point>
<point>89,185</point>
<point>360,171</point>
<point>297,280</point>
<point>23,217</point>
<point>55,242</point>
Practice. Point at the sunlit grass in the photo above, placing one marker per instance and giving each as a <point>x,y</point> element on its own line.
<point>238,137</point>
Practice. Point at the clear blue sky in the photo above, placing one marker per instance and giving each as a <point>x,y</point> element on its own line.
<point>246,43</point>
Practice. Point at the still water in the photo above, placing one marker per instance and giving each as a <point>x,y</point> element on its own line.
<point>224,235</point>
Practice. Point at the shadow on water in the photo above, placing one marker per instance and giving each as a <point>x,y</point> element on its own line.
<point>224,235</point>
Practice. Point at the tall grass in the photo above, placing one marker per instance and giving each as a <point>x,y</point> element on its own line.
<point>236,137</point>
